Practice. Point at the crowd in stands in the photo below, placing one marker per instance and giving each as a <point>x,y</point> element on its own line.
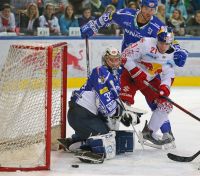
<point>25,16</point>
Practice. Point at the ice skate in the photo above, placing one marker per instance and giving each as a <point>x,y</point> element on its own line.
<point>147,139</point>
<point>69,144</point>
<point>169,135</point>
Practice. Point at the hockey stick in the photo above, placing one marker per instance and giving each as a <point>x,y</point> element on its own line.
<point>87,56</point>
<point>182,158</point>
<point>122,105</point>
<point>172,102</point>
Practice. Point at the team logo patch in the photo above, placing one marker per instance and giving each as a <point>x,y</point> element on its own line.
<point>151,4</point>
<point>101,80</point>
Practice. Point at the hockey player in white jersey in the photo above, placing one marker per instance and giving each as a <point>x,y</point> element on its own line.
<point>143,61</point>
<point>94,108</point>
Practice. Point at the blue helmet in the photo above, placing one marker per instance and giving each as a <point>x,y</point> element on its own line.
<point>165,34</point>
<point>150,3</point>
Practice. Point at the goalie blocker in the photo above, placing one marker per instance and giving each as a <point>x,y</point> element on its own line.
<point>107,146</point>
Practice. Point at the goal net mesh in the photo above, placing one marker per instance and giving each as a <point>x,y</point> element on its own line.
<point>23,104</point>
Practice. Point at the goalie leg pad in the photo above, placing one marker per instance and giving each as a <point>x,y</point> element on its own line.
<point>125,141</point>
<point>103,144</point>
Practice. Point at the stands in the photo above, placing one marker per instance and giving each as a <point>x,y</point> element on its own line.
<point>27,19</point>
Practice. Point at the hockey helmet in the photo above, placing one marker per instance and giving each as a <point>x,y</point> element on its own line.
<point>112,57</point>
<point>150,3</point>
<point>165,34</point>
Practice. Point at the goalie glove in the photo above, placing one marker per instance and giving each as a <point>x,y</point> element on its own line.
<point>127,114</point>
<point>129,118</point>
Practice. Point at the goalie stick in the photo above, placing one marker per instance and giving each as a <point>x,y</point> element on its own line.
<point>87,56</point>
<point>172,102</point>
<point>182,158</point>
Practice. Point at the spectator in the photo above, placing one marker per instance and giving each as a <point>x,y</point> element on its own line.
<point>119,4</point>
<point>175,4</point>
<point>29,21</point>
<point>134,5</point>
<point>177,22</point>
<point>20,6</point>
<point>68,20</point>
<point>193,25</point>
<point>59,5</point>
<point>86,17</point>
<point>79,5</point>
<point>50,20</point>
<point>161,13</point>
<point>3,2</point>
<point>7,19</point>
<point>97,8</point>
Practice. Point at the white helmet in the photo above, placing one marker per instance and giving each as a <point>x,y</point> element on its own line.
<point>112,57</point>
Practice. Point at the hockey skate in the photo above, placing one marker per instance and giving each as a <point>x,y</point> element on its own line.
<point>69,144</point>
<point>147,139</point>
<point>169,136</point>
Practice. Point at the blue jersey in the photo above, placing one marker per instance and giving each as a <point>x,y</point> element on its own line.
<point>97,95</point>
<point>126,19</point>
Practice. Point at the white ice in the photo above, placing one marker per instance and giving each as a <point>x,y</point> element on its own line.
<point>147,162</point>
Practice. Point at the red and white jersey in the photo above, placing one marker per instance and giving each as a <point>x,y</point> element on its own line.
<point>144,54</point>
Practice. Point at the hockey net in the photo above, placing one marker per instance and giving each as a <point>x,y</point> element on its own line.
<point>32,104</point>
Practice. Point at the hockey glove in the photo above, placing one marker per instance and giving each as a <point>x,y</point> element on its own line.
<point>164,90</point>
<point>139,77</point>
<point>129,118</point>
<point>180,57</point>
<point>89,29</point>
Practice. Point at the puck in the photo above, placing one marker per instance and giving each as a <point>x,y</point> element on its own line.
<point>75,165</point>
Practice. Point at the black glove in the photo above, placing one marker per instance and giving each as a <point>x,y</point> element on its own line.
<point>129,118</point>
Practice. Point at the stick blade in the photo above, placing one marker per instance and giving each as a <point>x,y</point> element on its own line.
<point>179,158</point>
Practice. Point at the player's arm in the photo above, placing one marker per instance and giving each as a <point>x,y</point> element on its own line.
<point>105,20</point>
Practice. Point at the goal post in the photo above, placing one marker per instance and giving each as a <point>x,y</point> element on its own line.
<point>33,95</point>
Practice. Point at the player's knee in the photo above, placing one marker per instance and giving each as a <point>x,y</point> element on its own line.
<point>165,106</point>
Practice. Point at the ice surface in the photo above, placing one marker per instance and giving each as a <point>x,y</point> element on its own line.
<point>147,162</point>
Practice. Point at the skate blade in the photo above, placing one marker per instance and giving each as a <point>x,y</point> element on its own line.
<point>147,143</point>
<point>170,146</point>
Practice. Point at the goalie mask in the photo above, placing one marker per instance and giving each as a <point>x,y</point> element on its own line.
<point>112,58</point>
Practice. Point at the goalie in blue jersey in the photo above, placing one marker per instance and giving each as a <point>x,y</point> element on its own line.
<point>94,108</point>
<point>136,25</point>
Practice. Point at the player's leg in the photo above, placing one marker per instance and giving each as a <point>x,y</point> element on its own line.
<point>160,113</point>
<point>85,124</point>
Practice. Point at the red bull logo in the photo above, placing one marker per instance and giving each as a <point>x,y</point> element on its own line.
<point>148,66</point>
<point>152,68</point>
<point>74,61</point>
